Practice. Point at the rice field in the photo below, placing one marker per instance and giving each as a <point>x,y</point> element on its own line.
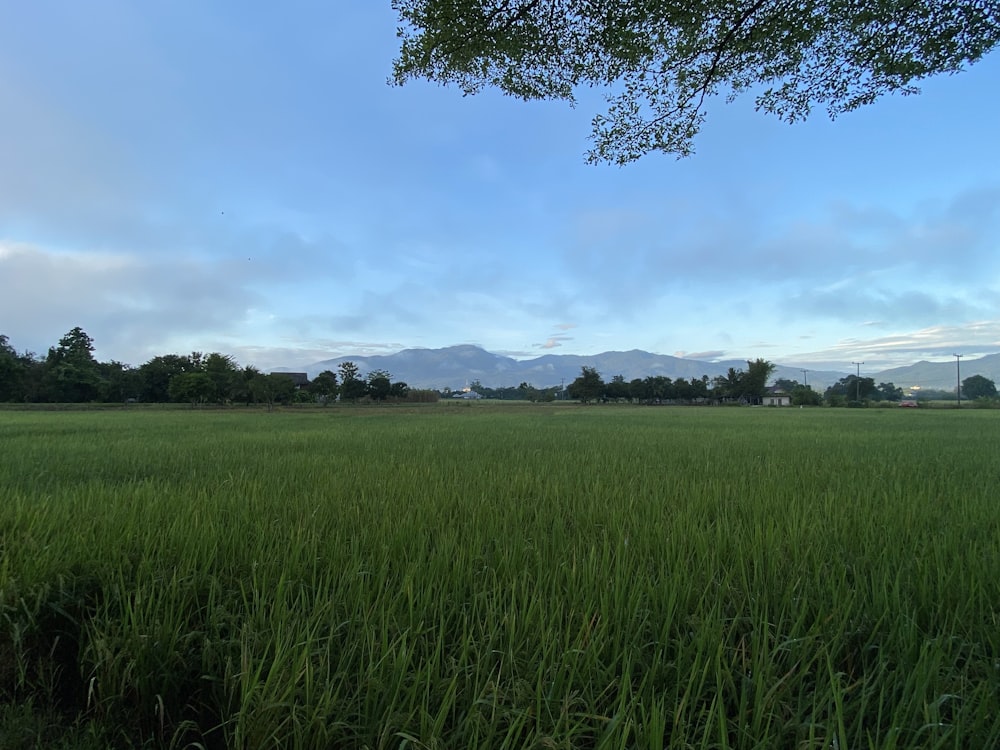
<point>477,576</point>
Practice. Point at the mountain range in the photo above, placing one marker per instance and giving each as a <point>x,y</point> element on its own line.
<point>456,366</point>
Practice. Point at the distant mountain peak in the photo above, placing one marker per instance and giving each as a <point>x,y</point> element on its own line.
<point>460,364</point>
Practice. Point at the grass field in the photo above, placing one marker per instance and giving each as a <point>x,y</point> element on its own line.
<point>476,576</point>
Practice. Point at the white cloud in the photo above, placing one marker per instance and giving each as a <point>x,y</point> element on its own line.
<point>903,347</point>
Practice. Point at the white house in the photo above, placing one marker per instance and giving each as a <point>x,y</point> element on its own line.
<point>776,399</point>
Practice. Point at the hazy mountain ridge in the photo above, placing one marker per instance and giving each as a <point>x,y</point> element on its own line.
<point>456,366</point>
<point>942,375</point>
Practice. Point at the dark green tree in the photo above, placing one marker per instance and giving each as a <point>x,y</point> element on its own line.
<point>662,60</point>
<point>660,388</point>
<point>887,392</point>
<point>588,387</point>
<point>978,386</point>
<point>683,389</point>
<point>747,386</point>
<point>352,387</point>
<point>75,347</point>
<point>755,380</point>
<point>119,382</point>
<point>699,387</point>
<point>850,389</point>
<point>637,390</point>
<point>617,389</point>
<point>378,385</point>
<point>729,386</point>
<point>271,389</point>
<point>193,387</point>
<point>70,373</point>
<point>280,388</point>
<point>786,385</point>
<point>803,395</point>
<point>241,389</point>
<point>14,370</point>
<point>226,376</point>
<point>156,374</point>
<point>527,392</point>
<point>324,386</point>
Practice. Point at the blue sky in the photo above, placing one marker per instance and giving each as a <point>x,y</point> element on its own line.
<point>239,177</point>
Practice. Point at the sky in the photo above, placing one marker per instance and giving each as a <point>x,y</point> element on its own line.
<point>239,177</point>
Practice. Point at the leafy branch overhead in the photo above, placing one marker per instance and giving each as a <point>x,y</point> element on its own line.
<point>660,60</point>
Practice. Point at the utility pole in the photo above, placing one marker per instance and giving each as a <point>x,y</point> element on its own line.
<point>958,377</point>
<point>857,380</point>
<point>805,378</point>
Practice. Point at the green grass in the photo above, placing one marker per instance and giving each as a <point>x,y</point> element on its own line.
<point>501,576</point>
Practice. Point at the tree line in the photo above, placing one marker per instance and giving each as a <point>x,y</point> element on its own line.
<point>746,386</point>
<point>69,373</point>
<point>737,386</point>
<point>749,386</point>
<point>857,391</point>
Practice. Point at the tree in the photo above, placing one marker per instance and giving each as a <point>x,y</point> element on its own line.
<point>527,391</point>
<point>682,389</point>
<point>730,385</point>
<point>659,388</point>
<point>324,386</point>
<point>887,392</point>
<point>637,390</point>
<point>803,395</point>
<point>75,347</point>
<point>280,388</point>
<point>13,372</point>
<point>617,389</point>
<point>755,380</point>
<point>699,387</point>
<point>378,385</point>
<point>243,379</point>
<point>746,385</point>
<point>70,374</point>
<point>786,385</point>
<point>271,389</point>
<point>156,374</point>
<point>352,387</point>
<point>664,59</point>
<point>850,389</point>
<point>864,386</point>
<point>119,382</point>
<point>978,386</point>
<point>195,387</point>
<point>588,387</point>
<point>225,375</point>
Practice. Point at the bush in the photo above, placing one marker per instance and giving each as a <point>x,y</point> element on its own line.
<point>422,396</point>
